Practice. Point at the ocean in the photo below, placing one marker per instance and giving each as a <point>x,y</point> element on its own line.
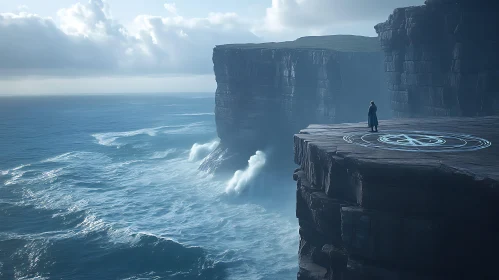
<point>108,187</point>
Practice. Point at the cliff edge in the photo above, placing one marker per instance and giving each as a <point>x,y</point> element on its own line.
<point>418,201</point>
<point>267,92</point>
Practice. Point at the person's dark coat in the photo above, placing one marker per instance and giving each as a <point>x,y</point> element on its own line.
<point>372,118</point>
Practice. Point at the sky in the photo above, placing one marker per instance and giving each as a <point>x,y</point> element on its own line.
<point>132,46</point>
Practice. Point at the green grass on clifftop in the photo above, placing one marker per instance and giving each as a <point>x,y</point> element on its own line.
<point>344,43</point>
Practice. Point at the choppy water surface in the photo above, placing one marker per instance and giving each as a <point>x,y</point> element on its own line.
<point>108,188</point>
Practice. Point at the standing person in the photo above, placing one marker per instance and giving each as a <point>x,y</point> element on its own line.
<point>372,118</point>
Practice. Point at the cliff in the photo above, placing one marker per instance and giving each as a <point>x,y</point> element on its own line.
<point>420,201</point>
<point>267,92</point>
<point>441,58</point>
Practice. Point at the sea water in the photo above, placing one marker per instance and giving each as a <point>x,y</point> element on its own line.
<point>108,187</point>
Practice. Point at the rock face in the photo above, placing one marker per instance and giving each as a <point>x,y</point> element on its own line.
<point>442,58</point>
<point>369,210</point>
<point>267,92</point>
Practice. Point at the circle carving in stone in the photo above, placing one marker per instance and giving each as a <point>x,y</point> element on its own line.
<point>418,141</point>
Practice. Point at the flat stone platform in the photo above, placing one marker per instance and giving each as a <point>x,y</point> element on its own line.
<point>417,200</point>
<point>464,148</point>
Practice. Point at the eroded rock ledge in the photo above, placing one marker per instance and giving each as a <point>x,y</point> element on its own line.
<point>371,213</point>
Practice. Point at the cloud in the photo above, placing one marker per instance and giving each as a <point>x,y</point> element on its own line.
<point>31,42</point>
<point>321,15</point>
<point>171,7</point>
<point>22,8</point>
<point>186,43</point>
<point>84,39</point>
<point>89,42</point>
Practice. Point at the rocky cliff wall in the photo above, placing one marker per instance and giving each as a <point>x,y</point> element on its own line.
<point>386,213</point>
<point>265,94</point>
<point>442,58</point>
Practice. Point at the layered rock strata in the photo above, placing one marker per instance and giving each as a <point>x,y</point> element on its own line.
<point>267,92</point>
<point>373,210</point>
<point>442,58</point>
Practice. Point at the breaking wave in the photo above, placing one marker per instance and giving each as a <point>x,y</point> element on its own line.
<point>70,207</point>
<point>199,151</point>
<point>243,178</point>
<point>73,206</point>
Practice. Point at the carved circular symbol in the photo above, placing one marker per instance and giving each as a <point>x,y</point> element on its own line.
<point>418,141</point>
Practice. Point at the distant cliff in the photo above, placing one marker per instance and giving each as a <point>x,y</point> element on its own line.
<point>442,58</point>
<point>267,92</point>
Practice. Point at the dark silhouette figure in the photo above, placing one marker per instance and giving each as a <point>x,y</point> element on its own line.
<point>372,118</point>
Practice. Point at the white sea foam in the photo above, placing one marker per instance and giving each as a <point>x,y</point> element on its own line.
<point>13,170</point>
<point>120,165</point>
<point>110,138</point>
<point>16,174</point>
<point>243,178</point>
<point>33,278</point>
<point>51,175</point>
<point>186,129</point>
<point>195,114</point>
<point>163,154</point>
<point>70,157</point>
<point>20,167</point>
<point>15,178</point>
<point>92,223</point>
<point>66,163</point>
<point>63,157</point>
<point>199,151</point>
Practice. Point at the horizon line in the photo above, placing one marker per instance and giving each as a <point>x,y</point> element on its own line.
<point>106,93</point>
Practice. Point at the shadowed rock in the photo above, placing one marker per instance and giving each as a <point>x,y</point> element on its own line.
<point>441,59</point>
<point>370,209</point>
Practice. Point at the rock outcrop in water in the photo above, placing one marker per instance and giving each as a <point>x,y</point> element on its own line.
<point>267,92</point>
<point>387,214</point>
<point>442,58</point>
